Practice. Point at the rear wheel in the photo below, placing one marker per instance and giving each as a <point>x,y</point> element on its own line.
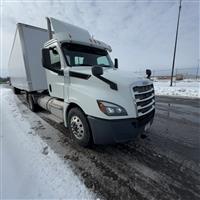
<point>16,90</point>
<point>79,127</point>
<point>31,104</point>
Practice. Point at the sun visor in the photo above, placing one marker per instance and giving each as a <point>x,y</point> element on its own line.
<point>67,32</point>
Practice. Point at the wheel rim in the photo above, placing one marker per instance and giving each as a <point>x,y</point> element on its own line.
<point>77,127</point>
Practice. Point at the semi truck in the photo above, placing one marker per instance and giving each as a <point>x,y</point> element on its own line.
<point>66,71</point>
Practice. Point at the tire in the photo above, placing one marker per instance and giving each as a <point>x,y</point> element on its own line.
<point>31,104</point>
<point>16,90</point>
<point>79,127</point>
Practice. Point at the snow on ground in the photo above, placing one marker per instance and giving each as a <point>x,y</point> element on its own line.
<point>183,88</point>
<point>29,168</point>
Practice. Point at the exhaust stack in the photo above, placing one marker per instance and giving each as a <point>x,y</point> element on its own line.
<point>49,28</point>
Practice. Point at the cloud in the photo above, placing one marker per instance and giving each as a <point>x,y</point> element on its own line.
<point>141,33</point>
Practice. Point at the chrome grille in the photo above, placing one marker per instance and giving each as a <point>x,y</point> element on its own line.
<point>143,96</point>
<point>145,99</point>
<point>142,88</point>
<point>144,103</point>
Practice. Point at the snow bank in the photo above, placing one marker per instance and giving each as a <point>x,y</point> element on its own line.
<point>184,88</point>
<point>30,169</point>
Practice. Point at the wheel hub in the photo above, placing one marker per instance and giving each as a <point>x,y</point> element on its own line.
<point>77,127</point>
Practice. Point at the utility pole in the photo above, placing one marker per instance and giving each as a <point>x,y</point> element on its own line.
<point>174,57</point>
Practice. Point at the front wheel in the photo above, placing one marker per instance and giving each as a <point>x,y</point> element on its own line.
<point>79,127</point>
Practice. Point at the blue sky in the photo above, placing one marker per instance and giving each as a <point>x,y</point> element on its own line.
<point>141,33</point>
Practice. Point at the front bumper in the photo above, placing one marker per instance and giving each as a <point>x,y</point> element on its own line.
<point>117,131</point>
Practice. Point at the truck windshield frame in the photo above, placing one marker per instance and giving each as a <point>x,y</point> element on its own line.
<point>78,55</point>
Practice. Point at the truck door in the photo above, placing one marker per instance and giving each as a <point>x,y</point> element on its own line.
<point>55,76</point>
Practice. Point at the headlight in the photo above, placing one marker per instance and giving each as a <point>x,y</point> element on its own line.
<point>111,109</point>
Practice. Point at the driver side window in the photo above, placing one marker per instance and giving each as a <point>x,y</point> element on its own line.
<point>55,58</point>
<point>102,60</point>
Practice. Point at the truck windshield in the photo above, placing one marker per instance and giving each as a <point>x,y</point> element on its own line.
<point>80,55</point>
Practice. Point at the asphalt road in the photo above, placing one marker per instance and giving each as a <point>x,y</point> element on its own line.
<point>164,164</point>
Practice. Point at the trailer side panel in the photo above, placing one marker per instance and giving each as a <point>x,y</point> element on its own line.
<point>17,70</point>
<point>34,39</point>
<point>25,63</point>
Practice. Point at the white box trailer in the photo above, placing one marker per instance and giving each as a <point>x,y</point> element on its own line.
<point>25,62</point>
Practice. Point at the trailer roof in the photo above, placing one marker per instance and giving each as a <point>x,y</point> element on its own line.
<point>30,26</point>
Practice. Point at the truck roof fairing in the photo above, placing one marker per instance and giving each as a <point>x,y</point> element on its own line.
<point>64,32</point>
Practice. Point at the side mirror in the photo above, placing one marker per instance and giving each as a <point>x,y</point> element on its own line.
<point>116,63</point>
<point>148,73</point>
<point>97,71</point>
<point>46,62</point>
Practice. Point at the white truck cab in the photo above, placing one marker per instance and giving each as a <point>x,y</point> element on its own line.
<point>97,101</point>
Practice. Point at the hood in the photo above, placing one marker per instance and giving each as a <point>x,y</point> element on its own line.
<point>125,77</point>
<point>117,76</point>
